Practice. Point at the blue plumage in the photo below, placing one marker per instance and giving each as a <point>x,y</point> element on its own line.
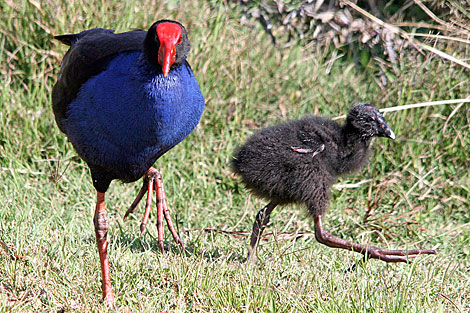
<point>127,116</point>
<point>123,100</point>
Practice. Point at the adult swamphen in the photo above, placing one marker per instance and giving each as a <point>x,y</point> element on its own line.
<point>123,100</point>
<point>298,161</point>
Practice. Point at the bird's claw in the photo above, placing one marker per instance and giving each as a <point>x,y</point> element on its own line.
<point>143,227</point>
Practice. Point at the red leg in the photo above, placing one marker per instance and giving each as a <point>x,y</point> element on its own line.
<point>101,230</point>
<point>395,256</point>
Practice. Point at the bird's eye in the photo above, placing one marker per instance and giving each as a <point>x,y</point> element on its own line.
<point>179,40</point>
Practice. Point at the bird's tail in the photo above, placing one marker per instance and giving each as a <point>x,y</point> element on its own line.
<point>69,39</point>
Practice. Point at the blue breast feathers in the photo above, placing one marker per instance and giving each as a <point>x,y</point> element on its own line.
<point>127,116</point>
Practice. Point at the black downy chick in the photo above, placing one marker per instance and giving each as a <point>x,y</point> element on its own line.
<point>298,161</point>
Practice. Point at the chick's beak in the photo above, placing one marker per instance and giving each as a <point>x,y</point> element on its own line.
<point>169,35</point>
<point>383,129</point>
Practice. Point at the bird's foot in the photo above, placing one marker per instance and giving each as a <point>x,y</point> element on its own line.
<point>153,180</point>
<point>389,256</point>
<point>369,252</point>
<point>394,256</point>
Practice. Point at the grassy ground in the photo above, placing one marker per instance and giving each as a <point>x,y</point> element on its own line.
<point>417,196</point>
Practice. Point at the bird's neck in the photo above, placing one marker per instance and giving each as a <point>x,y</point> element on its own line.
<point>354,151</point>
<point>147,68</point>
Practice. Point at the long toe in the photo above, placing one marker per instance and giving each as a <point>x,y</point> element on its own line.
<point>139,197</point>
<point>172,229</point>
<point>422,251</point>
<point>382,255</point>
<point>164,212</point>
<point>159,216</point>
<point>148,206</point>
<point>397,256</point>
<point>396,259</point>
<point>407,252</point>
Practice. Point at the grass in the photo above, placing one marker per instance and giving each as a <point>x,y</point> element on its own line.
<point>418,195</point>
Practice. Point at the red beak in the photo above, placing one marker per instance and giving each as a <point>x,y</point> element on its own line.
<point>169,35</point>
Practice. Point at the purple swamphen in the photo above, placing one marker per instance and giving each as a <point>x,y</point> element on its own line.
<point>123,100</point>
<point>298,161</point>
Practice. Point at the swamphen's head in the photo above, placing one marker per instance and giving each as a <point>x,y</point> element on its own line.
<point>166,45</point>
<point>368,121</point>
